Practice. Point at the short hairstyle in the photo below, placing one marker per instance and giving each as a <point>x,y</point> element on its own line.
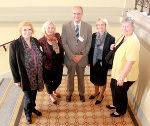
<point>129,20</point>
<point>104,20</point>
<point>78,7</point>
<point>45,25</point>
<point>25,23</point>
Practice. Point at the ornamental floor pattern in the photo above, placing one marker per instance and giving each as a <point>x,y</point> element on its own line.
<point>76,113</point>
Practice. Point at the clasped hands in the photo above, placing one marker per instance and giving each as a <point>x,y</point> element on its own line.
<point>77,58</point>
<point>120,82</point>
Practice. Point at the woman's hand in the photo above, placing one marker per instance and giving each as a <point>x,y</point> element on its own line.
<point>18,84</point>
<point>125,72</point>
<point>112,46</point>
<point>120,82</point>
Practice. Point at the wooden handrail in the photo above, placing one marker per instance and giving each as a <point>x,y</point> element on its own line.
<point>3,45</point>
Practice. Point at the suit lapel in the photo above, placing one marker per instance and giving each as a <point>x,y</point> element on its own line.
<point>106,42</point>
<point>21,50</point>
<point>82,29</point>
<point>73,29</point>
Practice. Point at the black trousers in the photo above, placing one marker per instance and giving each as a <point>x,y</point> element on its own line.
<point>51,86</point>
<point>53,79</point>
<point>29,102</point>
<point>119,95</point>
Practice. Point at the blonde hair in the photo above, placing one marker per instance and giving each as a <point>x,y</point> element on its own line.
<point>104,20</point>
<point>46,24</point>
<point>25,23</point>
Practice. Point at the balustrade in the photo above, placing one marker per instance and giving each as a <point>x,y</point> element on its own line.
<point>144,4</point>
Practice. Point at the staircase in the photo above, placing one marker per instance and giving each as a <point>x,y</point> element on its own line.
<point>9,95</point>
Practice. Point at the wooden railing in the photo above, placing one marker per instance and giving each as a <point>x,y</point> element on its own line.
<point>144,4</point>
<point>4,45</point>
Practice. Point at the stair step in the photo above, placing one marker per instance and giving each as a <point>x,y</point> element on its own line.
<point>5,85</point>
<point>9,105</point>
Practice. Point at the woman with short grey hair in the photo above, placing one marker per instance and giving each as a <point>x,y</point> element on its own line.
<point>125,68</point>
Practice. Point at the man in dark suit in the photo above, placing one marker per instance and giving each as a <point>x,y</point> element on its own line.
<point>76,39</point>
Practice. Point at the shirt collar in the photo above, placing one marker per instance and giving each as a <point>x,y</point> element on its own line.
<point>79,24</point>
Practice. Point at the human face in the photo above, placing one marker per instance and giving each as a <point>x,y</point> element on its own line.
<point>127,29</point>
<point>101,27</point>
<point>26,32</point>
<point>50,29</point>
<point>77,14</point>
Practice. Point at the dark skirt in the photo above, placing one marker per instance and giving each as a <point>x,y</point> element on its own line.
<point>98,74</point>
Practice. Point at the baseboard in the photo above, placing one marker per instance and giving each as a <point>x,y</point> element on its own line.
<point>133,115</point>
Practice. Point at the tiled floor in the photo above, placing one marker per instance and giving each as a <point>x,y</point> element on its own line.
<point>76,113</point>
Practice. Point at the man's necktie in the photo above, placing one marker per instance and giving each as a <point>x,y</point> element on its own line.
<point>77,31</point>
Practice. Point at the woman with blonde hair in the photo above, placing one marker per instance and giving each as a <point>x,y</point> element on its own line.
<point>53,59</point>
<point>101,41</point>
<point>25,57</point>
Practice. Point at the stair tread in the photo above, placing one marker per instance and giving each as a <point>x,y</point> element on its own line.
<point>8,107</point>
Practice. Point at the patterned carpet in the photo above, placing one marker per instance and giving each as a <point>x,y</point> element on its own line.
<point>76,113</point>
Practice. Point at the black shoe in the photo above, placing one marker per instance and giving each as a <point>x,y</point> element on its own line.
<point>52,100</point>
<point>82,98</point>
<point>68,98</point>
<point>58,96</point>
<point>38,113</point>
<point>92,96</point>
<point>110,107</point>
<point>55,102</point>
<point>114,115</point>
<point>29,121</point>
<point>98,102</point>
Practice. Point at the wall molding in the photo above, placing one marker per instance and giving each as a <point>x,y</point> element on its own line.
<point>57,14</point>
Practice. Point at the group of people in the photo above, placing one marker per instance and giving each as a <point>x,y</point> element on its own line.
<point>35,62</point>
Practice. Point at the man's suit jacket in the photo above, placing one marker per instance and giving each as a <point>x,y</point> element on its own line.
<point>108,41</point>
<point>72,46</point>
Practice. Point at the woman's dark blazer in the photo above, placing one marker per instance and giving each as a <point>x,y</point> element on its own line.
<point>49,62</point>
<point>17,63</point>
<point>108,41</point>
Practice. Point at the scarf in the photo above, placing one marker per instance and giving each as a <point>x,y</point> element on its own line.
<point>99,44</point>
<point>54,41</point>
<point>35,76</point>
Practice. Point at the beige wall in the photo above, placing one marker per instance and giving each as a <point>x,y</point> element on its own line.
<point>36,11</point>
<point>9,31</point>
<point>139,94</point>
<point>87,3</point>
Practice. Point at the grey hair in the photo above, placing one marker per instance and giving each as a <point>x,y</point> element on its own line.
<point>129,20</point>
<point>45,25</point>
<point>78,7</point>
